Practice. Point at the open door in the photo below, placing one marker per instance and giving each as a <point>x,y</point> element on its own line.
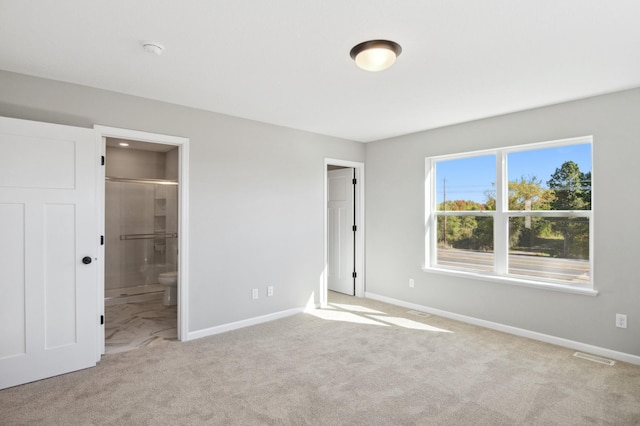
<point>48,220</point>
<point>340,231</point>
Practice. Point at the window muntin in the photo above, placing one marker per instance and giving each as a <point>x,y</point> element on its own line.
<point>539,207</point>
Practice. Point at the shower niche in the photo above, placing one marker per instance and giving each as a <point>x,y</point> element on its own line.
<point>141,219</point>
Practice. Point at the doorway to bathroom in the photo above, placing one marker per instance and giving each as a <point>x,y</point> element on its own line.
<point>154,249</point>
<point>141,243</point>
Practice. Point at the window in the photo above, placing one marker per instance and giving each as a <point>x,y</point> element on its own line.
<point>522,213</point>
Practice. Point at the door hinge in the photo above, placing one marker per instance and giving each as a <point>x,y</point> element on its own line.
<point>354,228</point>
<point>102,160</point>
<point>354,275</point>
<point>101,319</point>
<point>101,240</point>
<point>354,181</point>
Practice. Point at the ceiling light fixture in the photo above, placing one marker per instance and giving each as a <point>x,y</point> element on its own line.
<point>123,144</point>
<point>375,55</point>
<point>153,47</point>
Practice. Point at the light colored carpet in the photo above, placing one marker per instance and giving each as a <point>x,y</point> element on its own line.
<point>361,362</point>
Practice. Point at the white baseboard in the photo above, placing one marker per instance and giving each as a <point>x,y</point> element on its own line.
<point>571,344</point>
<point>241,324</point>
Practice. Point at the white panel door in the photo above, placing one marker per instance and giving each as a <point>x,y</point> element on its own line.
<point>340,221</point>
<point>48,296</point>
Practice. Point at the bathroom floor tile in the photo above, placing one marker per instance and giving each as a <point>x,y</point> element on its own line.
<point>135,325</point>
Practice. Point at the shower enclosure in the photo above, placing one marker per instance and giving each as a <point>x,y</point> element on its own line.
<point>141,226</point>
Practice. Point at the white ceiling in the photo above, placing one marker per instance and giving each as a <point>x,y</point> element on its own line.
<point>287,62</point>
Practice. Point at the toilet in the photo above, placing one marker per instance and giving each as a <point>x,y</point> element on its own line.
<point>170,281</point>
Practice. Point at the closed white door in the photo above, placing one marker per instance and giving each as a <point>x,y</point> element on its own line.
<point>48,240</point>
<point>340,222</point>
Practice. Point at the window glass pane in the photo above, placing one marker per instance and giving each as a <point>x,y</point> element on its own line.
<point>552,248</point>
<point>465,242</point>
<point>466,183</point>
<point>556,178</point>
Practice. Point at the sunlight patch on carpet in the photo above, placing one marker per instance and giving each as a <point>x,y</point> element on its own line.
<point>355,308</point>
<point>332,315</point>
<point>410,324</point>
<point>594,358</point>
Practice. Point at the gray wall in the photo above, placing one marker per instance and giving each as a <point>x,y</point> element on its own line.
<point>256,193</point>
<point>395,222</point>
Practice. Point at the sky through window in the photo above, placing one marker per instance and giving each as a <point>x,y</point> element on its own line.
<point>471,178</point>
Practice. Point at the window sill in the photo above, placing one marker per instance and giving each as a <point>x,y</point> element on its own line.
<point>512,281</point>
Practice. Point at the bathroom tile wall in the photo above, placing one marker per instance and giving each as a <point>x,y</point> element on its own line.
<point>134,208</point>
<point>135,163</point>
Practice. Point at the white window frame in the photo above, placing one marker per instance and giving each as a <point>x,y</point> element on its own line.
<point>501,220</point>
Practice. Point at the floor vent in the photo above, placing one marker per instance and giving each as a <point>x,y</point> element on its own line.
<point>594,358</point>
<point>419,314</point>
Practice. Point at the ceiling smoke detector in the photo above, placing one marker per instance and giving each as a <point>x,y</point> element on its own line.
<point>152,47</point>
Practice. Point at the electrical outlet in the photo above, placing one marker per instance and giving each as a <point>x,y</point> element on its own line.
<point>254,293</point>
<point>621,321</point>
<point>411,282</point>
<point>270,291</point>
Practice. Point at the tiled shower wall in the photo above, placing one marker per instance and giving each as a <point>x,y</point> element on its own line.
<point>139,208</point>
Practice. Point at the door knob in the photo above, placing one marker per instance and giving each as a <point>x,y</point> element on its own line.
<point>86,260</point>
